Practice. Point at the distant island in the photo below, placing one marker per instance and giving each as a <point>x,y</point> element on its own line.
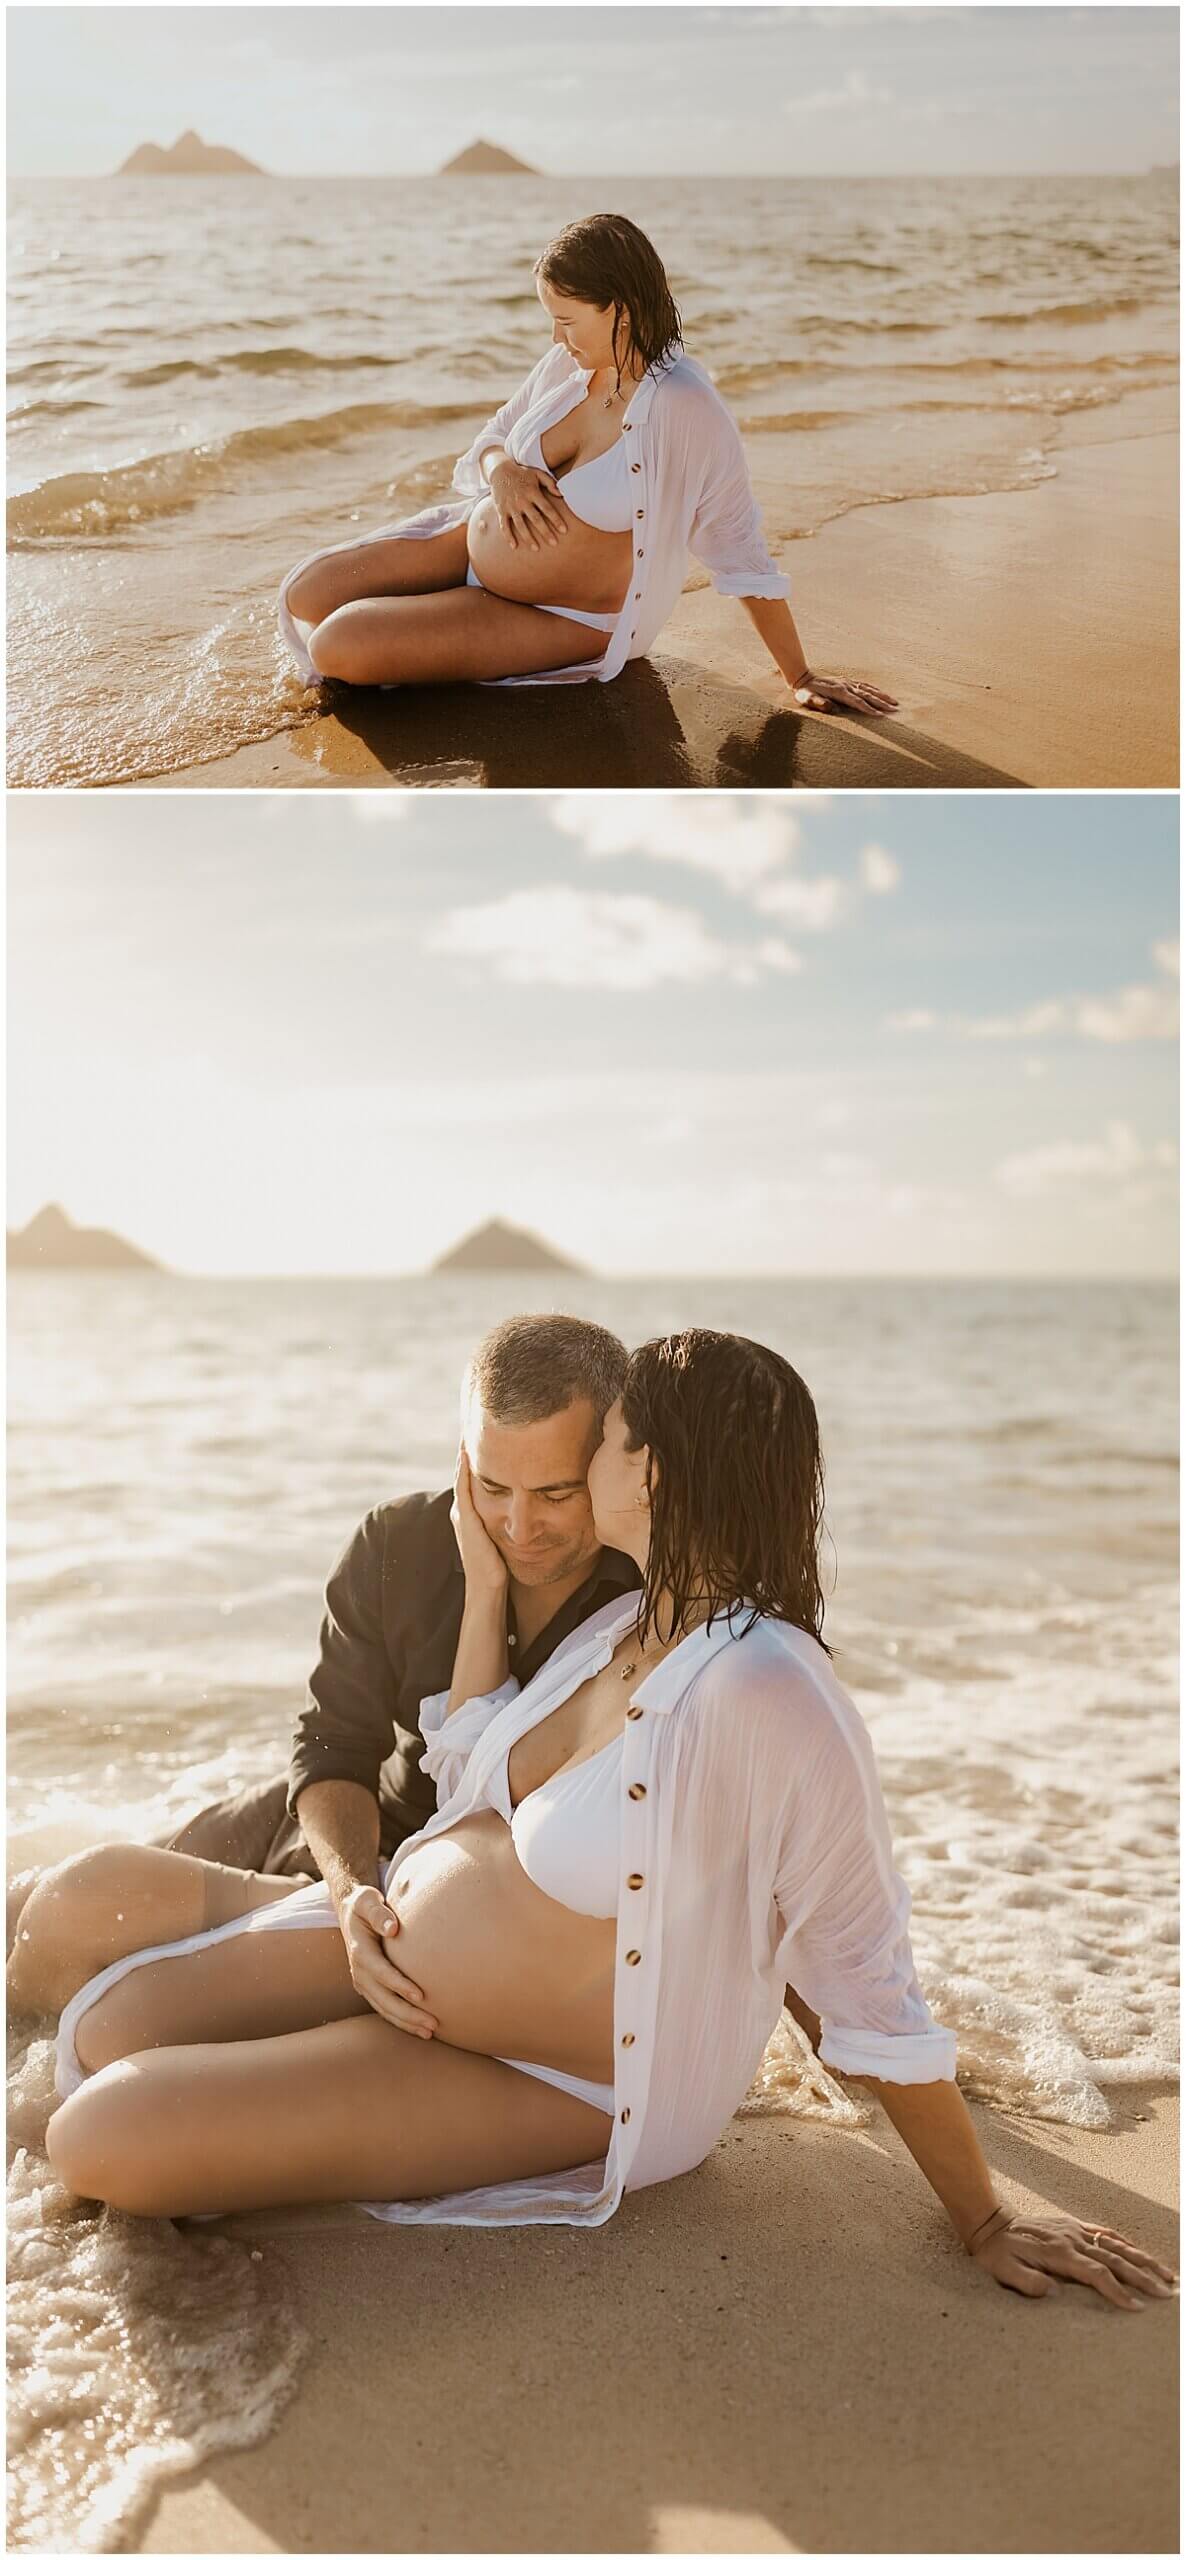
<point>497,1247</point>
<point>190,157</point>
<point>51,1242</point>
<point>486,160</point>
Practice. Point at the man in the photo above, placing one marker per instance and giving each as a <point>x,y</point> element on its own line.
<point>535,1396</point>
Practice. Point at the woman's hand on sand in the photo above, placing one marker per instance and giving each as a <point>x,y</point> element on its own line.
<point>530,507</point>
<point>369,1928</point>
<point>1033,2253</point>
<point>485,1569</point>
<point>835,693</point>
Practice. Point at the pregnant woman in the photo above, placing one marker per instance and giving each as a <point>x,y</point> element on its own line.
<point>566,545</point>
<point>631,1858</point>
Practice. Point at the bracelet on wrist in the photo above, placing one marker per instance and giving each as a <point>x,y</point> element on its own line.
<point>997,2219</point>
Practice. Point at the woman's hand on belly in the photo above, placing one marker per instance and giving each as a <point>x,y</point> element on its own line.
<point>528,503</point>
<point>589,569</point>
<point>369,1929</point>
<point>504,1969</point>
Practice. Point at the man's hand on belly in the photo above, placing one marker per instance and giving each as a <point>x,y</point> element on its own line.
<point>369,1928</point>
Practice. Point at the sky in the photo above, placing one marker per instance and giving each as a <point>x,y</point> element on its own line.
<point>674,1034</point>
<point>617,89</point>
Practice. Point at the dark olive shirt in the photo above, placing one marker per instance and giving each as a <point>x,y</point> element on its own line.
<point>389,1634</point>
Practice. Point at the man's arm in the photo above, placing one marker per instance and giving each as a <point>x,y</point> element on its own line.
<point>344,1732</point>
<point>340,1821</point>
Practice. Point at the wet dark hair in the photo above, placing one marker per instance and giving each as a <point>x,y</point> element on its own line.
<point>606,259</point>
<point>735,1479</point>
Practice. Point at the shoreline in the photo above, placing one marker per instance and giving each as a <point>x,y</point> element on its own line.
<point>1051,610</point>
<point>783,2351</point>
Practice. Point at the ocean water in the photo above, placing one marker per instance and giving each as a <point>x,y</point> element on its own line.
<point>208,378</point>
<point>187,1456</point>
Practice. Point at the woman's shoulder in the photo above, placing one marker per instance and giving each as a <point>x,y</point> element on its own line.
<point>779,1683</point>
<point>682,385</point>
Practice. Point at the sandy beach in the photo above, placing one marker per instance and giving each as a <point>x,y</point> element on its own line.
<point>1029,634</point>
<point>785,2351</point>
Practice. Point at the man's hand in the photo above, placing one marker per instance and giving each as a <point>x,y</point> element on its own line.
<point>369,1927</point>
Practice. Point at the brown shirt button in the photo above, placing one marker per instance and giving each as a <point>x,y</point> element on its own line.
<point>634,1955</point>
<point>633,1714</point>
<point>636,1793</point>
<point>636,466</point>
<point>625,2115</point>
<point>628,2039</point>
<point>635,1882</point>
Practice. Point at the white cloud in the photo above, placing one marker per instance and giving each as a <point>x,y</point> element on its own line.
<point>565,937</point>
<point>1115,1157</point>
<point>382,808</point>
<point>880,871</point>
<point>1143,1012</point>
<point>750,849</point>
<point>738,843</point>
<point>814,906</point>
<point>1033,1022</point>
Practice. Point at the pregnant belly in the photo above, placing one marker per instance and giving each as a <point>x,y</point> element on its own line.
<point>585,567</point>
<point>503,1967</point>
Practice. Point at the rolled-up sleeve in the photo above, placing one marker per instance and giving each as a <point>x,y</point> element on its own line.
<point>346,1727</point>
<point>449,1739</point>
<point>846,1914</point>
<point>727,534</point>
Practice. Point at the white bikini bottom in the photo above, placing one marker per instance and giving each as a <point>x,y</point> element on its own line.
<point>567,612</point>
<point>596,2093</point>
<point>312,1911</point>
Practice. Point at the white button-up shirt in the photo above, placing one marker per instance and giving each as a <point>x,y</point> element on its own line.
<point>691,491</point>
<point>754,1852</point>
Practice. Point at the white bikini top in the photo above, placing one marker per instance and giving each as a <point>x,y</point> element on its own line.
<point>596,491</point>
<point>567,1832</point>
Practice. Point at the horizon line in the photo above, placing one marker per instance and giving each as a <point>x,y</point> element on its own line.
<point>164,1271</point>
<point>826,177</point>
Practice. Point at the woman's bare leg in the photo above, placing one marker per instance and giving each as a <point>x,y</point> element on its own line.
<point>397,567</point>
<point>267,1982</point>
<point>348,2111</point>
<point>461,636</point>
<point>110,1902</point>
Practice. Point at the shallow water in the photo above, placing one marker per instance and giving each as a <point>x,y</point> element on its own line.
<point>189,1455</point>
<point>208,378</point>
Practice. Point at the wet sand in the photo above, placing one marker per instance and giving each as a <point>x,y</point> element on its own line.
<point>1031,638</point>
<point>786,2351</point>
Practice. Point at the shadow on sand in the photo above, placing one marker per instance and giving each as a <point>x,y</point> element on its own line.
<point>663,724</point>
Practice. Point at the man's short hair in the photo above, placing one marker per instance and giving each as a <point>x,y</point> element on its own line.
<point>531,1367</point>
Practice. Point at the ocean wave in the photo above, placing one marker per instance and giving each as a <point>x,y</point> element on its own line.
<point>1104,306</point>
<point>799,419</point>
<point>49,409</point>
<point>263,360</point>
<point>160,484</point>
<point>135,2350</point>
<point>732,379</point>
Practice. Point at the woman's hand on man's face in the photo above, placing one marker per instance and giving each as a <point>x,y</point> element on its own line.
<point>485,1568</point>
<point>530,507</point>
